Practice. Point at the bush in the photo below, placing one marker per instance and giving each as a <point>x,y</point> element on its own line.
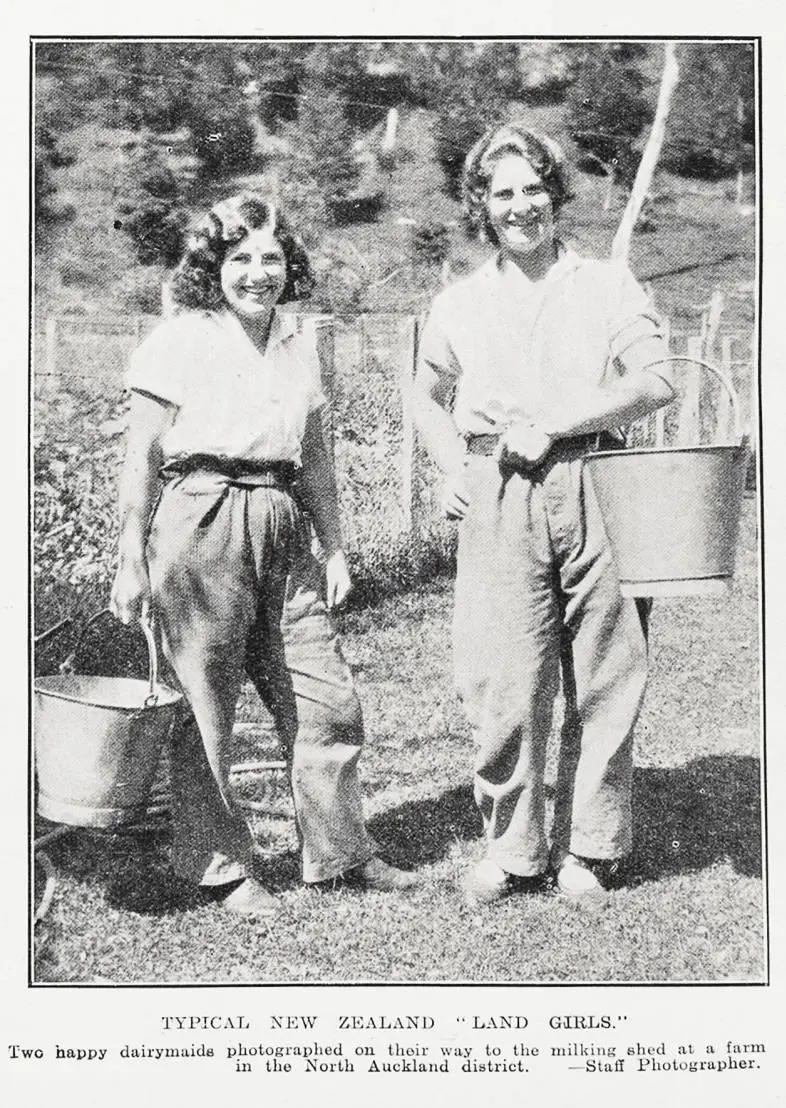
<point>476,84</point>
<point>606,108</point>
<point>430,243</point>
<point>149,211</point>
<point>323,146</point>
<point>711,129</point>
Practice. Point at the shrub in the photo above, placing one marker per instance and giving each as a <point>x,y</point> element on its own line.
<point>606,108</point>
<point>475,86</point>
<point>322,142</point>
<point>149,211</point>
<point>430,243</point>
<point>711,129</point>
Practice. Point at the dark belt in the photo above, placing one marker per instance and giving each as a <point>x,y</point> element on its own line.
<point>279,475</point>
<point>485,445</point>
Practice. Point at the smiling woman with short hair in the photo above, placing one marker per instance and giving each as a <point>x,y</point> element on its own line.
<point>545,353</point>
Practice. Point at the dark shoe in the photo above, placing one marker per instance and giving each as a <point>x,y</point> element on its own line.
<point>377,876</point>
<point>249,899</point>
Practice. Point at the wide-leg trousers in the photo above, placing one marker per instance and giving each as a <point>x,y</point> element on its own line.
<point>220,554</point>
<point>536,576</point>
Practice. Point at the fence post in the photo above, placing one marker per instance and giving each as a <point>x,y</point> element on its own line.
<point>723,432</point>
<point>713,323</point>
<point>689,430</point>
<point>50,355</point>
<point>407,345</point>
<point>321,332</point>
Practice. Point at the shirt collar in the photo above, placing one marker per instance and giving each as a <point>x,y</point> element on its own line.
<point>566,261</point>
<point>283,326</point>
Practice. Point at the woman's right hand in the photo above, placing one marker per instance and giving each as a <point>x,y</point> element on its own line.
<point>455,495</point>
<point>131,595</point>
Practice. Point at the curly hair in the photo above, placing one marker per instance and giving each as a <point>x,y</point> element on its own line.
<point>196,282</point>
<point>543,154</point>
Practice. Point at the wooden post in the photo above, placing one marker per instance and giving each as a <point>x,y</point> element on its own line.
<point>50,354</point>
<point>321,331</point>
<point>408,340</point>
<point>751,425</point>
<point>620,247</point>
<point>713,323</point>
<point>723,429</point>
<point>689,433</point>
<point>660,413</point>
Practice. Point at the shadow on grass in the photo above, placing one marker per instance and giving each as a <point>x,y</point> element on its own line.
<point>685,819</point>
<point>688,817</point>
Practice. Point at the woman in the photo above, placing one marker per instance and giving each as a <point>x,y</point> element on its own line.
<point>225,407</point>
<point>546,353</point>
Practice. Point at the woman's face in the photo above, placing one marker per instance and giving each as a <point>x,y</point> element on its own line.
<point>253,274</point>
<point>519,207</point>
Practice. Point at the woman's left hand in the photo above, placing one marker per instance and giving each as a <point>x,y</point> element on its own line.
<point>524,444</point>
<point>338,581</point>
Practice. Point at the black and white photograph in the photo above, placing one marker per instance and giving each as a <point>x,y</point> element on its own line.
<point>395,512</point>
<point>393,607</point>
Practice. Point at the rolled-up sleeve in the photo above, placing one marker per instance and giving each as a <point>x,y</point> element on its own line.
<point>636,338</point>
<point>435,351</point>
<point>159,364</point>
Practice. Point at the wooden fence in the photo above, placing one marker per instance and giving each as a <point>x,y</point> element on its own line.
<point>89,354</point>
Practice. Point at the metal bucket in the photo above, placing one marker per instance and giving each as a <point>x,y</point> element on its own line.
<point>98,741</point>
<point>672,513</point>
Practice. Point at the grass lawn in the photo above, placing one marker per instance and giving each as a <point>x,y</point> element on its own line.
<point>688,907</point>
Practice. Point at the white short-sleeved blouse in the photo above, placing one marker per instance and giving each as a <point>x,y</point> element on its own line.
<point>231,400</point>
<point>516,347</point>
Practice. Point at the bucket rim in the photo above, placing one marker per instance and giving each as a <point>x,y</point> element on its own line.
<point>171,696</point>
<point>705,448</point>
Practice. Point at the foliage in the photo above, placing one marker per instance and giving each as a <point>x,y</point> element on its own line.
<point>606,107</point>
<point>323,141</point>
<point>431,242</point>
<point>49,156</point>
<point>277,70</point>
<point>711,128</point>
<point>472,87</point>
<point>149,207</point>
<point>78,447</point>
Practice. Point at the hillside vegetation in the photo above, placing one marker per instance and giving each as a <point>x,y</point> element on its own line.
<point>133,138</point>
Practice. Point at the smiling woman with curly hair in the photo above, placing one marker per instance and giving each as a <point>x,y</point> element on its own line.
<point>226,409</point>
<point>196,282</point>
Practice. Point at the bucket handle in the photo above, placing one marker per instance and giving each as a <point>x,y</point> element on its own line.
<point>724,380</point>
<point>151,699</point>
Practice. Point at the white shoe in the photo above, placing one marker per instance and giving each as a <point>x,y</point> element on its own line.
<point>576,879</point>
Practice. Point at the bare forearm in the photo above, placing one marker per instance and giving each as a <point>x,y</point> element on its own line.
<point>138,489</point>
<point>318,485</point>
<point>601,409</point>
<point>438,431</point>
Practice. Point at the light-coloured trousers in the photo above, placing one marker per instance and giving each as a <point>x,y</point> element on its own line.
<point>225,561</point>
<point>536,577</point>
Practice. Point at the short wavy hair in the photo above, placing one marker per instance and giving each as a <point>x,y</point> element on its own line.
<point>544,155</point>
<point>195,284</point>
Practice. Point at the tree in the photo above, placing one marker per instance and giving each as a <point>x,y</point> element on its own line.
<point>149,208</point>
<point>475,83</point>
<point>606,107</point>
<point>323,141</point>
<point>711,130</point>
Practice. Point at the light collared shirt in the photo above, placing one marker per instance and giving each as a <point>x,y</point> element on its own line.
<point>232,401</point>
<point>516,347</point>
